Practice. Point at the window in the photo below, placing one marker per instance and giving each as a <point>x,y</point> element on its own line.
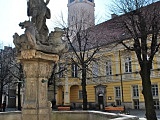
<point>128,65</point>
<point>71,1</point>
<point>80,0</point>
<point>90,0</point>
<point>74,70</point>
<point>155,90</point>
<point>108,68</point>
<point>73,18</point>
<point>95,69</point>
<point>118,102</point>
<point>80,95</point>
<point>136,104</point>
<point>135,90</point>
<point>117,92</point>
<point>61,70</point>
<point>156,104</point>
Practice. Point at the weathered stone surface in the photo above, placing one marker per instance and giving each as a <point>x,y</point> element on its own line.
<point>37,67</point>
<point>37,51</point>
<point>36,35</point>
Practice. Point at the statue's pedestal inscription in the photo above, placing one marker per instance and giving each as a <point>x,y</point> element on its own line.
<point>37,67</point>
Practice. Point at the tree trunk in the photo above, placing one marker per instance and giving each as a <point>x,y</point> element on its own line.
<point>19,96</point>
<point>147,92</point>
<point>1,93</point>
<point>84,92</point>
<point>19,86</point>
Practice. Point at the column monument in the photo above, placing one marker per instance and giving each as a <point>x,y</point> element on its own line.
<point>37,51</point>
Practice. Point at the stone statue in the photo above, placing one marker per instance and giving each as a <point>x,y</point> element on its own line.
<point>39,12</point>
<point>36,35</point>
<point>56,44</point>
<point>28,39</point>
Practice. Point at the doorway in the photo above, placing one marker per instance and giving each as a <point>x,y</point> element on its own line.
<point>100,96</point>
<point>101,101</point>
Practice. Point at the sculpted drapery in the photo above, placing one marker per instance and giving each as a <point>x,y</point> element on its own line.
<point>36,35</point>
<point>39,12</point>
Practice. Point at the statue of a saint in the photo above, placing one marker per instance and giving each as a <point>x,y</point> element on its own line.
<point>39,12</point>
<point>36,35</point>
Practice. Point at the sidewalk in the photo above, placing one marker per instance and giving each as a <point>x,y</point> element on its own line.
<point>141,114</point>
<point>138,113</point>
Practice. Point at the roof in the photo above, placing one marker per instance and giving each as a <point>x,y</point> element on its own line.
<point>113,30</point>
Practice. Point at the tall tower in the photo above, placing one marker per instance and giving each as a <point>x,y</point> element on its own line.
<point>81,12</point>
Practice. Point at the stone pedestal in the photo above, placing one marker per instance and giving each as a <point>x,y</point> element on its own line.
<point>37,67</point>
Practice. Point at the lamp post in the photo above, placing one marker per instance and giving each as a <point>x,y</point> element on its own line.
<point>120,69</point>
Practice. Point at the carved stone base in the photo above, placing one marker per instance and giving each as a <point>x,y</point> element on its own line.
<point>39,114</point>
<point>37,68</point>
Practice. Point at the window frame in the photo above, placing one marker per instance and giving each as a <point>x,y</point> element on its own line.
<point>108,68</point>
<point>74,70</point>
<point>154,90</point>
<point>117,92</point>
<point>156,103</point>
<point>136,103</point>
<point>95,69</point>
<point>128,65</point>
<point>135,91</point>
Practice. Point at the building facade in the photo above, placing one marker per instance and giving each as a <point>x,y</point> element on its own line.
<point>113,79</point>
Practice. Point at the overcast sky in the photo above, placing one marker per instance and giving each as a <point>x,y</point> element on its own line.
<point>12,12</point>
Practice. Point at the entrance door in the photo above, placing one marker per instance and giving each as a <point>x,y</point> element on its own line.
<point>11,98</point>
<point>100,96</point>
<point>100,102</point>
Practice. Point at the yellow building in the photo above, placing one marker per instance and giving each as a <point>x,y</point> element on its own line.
<point>114,78</point>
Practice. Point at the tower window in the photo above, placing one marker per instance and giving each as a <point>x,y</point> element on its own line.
<point>72,1</point>
<point>90,0</point>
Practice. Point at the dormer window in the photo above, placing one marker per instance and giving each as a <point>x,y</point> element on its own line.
<point>72,1</point>
<point>90,0</point>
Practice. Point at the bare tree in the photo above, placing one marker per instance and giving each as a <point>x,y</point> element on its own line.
<point>6,57</point>
<point>18,75</point>
<point>11,73</point>
<point>142,24</point>
<point>83,47</point>
<point>52,80</point>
